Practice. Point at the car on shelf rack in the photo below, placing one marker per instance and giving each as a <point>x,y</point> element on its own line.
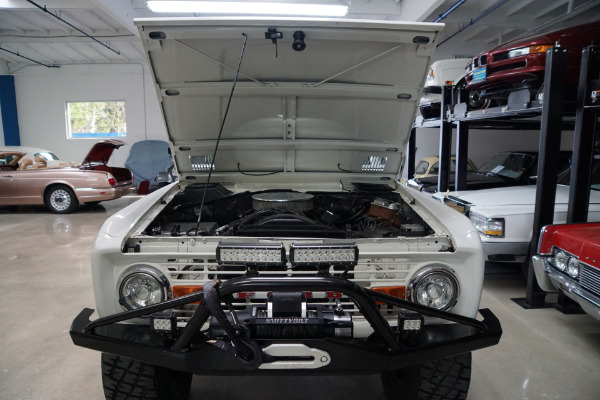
<point>509,168</point>
<point>504,216</point>
<point>287,245</point>
<point>61,186</point>
<point>442,72</point>
<point>430,166</point>
<point>568,261</point>
<point>520,64</point>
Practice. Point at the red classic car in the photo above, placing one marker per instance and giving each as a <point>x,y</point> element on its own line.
<point>568,260</point>
<point>61,186</point>
<point>520,64</point>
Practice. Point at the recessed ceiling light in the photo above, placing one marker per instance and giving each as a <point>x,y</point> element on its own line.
<point>251,8</point>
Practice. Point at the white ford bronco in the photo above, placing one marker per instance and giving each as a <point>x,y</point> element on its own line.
<point>287,245</point>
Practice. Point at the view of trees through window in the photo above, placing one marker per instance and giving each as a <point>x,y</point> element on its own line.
<point>96,119</point>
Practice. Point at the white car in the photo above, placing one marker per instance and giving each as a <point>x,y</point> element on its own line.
<point>303,253</point>
<point>442,72</point>
<point>504,216</point>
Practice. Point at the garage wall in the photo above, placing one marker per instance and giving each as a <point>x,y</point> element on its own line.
<point>42,94</point>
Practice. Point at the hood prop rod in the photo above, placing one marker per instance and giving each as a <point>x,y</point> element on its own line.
<point>196,231</point>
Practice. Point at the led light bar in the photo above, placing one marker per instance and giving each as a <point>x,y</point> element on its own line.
<point>303,255</point>
<point>251,254</point>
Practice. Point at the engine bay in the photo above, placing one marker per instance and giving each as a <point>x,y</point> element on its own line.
<point>364,211</point>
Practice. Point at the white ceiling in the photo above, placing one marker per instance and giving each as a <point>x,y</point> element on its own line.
<point>34,33</point>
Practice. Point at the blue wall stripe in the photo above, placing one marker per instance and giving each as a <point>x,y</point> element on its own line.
<point>8,105</point>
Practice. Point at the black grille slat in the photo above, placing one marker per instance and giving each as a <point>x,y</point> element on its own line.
<point>500,56</point>
<point>590,278</point>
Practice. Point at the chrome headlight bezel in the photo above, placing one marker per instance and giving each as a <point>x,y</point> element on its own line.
<point>144,271</point>
<point>425,274</point>
<point>523,51</point>
<point>565,262</point>
<point>573,267</point>
<point>560,259</point>
<point>480,222</point>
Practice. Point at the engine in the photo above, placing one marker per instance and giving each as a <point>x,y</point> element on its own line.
<point>372,213</point>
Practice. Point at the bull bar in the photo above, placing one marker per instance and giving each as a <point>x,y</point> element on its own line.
<point>193,352</point>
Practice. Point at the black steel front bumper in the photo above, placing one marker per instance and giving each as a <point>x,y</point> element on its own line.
<point>386,350</point>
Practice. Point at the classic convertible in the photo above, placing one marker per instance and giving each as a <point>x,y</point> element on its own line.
<point>61,187</point>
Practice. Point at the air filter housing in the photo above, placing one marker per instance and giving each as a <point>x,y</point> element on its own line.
<point>286,201</point>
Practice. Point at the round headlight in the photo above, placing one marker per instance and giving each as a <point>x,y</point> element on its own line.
<point>142,288</point>
<point>560,260</point>
<point>436,288</point>
<point>573,267</point>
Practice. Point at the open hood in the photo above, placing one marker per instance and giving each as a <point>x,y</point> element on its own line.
<point>342,108</point>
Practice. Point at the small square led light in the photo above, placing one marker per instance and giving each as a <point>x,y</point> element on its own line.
<point>163,322</point>
<point>410,322</point>
<point>251,254</point>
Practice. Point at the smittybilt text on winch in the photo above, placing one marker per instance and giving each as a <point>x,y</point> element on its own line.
<point>287,245</point>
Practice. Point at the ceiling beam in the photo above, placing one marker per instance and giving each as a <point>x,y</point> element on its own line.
<point>76,51</point>
<point>33,53</point>
<point>419,11</point>
<point>69,17</point>
<point>552,7</point>
<point>121,11</point>
<point>96,15</point>
<point>11,27</point>
<point>518,7</point>
<point>475,33</point>
<point>53,4</point>
<point>96,50</point>
<point>27,22</point>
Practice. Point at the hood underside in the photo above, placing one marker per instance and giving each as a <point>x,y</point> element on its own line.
<point>342,107</point>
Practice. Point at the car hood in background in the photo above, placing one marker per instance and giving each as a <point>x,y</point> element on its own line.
<point>577,36</point>
<point>343,107</point>
<point>474,181</point>
<point>506,196</point>
<point>101,151</point>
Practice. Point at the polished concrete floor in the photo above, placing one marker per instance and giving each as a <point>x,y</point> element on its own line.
<point>45,281</point>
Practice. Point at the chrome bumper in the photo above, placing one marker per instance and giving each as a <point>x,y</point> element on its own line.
<point>550,280</point>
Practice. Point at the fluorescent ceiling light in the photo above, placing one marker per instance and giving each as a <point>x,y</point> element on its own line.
<point>238,7</point>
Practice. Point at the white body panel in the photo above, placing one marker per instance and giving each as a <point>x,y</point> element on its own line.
<point>516,205</point>
<point>440,72</point>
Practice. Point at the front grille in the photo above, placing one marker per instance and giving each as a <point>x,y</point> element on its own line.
<point>589,278</point>
<point>500,56</point>
<point>483,60</point>
<point>375,272</point>
<point>520,64</point>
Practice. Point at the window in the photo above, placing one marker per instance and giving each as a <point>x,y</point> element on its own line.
<point>96,119</point>
<point>421,167</point>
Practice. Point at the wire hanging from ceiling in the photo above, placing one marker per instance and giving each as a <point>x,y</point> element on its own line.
<point>43,8</point>
<point>30,59</point>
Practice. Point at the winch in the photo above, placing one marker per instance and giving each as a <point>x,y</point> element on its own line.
<point>286,315</point>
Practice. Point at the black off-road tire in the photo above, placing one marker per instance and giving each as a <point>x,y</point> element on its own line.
<point>127,379</point>
<point>60,199</point>
<point>444,379</point>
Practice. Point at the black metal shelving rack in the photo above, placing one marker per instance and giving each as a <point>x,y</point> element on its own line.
<point>550,118</point>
